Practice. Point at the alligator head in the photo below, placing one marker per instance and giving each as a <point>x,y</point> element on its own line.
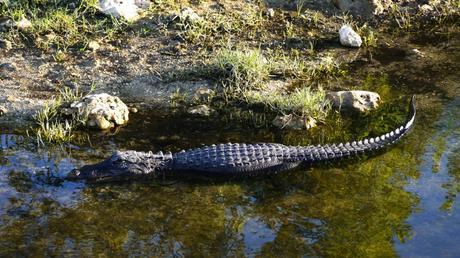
<point>122,165</point>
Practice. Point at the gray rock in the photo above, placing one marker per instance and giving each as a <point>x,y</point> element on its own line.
<point>294,122</point>
<point>356,100</point>
<point>201,110</point>
<point>348,37</point>
<point>101,110</point>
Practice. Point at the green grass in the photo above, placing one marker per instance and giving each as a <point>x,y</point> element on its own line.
<point>55,25</point>
<point>52,125</point>
<point>296,66</point>
<point>241,70</point>
<point>302,102</point>
<point>369,35</point>
<point>214,26</point>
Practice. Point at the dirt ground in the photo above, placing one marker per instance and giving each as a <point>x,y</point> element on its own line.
<point>137,66</point>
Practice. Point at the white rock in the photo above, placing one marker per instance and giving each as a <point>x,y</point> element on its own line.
<point>93,45</point>
<point>348,37</point>
<point>416,53</point>
<point>189,15</point>
<point>120,8</point>
<point>357,100</point>
<point>101,110</point>
<point>270,12</point>
<point>426,8</point>
<point>3,110</point>
<point>201,110</point>
<point>23,24</point>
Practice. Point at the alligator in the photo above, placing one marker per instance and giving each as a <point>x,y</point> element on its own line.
<point>233,159</point>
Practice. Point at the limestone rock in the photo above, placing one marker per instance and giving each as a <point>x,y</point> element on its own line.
<point>294,122</point>
<point>93,45</point>
<point>23,24</point>
<point>101,110</point>
<point>127,9</point>
<point>201,110</point>
<point>270,12</point>
<point>416,54</point>
<point>356,100</point>
<point>348,37</point>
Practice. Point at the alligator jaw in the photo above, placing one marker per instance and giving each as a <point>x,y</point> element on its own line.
<point>122,165</point>
<point>102,171</point>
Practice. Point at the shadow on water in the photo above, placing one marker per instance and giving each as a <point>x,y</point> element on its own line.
<point>401,202</point>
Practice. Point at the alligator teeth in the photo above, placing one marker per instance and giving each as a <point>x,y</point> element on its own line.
<point>392,133</point>
<point>371,140</point>
<point>397,131</point>
<point>366,141</point>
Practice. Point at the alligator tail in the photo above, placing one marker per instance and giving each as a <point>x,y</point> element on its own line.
<point>336,151</point>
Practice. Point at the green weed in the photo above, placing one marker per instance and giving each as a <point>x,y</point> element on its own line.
<point>368,35</point>
<point>401,17</point>
<point>241,70</point>
<point>52,125</point>
<point>55,25</point>
<point>302,102</point>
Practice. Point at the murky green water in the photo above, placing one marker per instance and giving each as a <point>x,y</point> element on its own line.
<point>401,202</point>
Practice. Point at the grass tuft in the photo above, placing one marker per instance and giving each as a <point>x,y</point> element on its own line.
<point>55,25</point>
<point>242,70</point>
<point>301,102</point>
<point>52,125</point>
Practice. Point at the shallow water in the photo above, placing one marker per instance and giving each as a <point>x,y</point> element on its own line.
<point>401,202</point>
